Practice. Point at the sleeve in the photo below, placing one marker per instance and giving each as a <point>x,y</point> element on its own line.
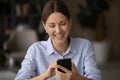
<point>28,66</point>
<point>90,67</point>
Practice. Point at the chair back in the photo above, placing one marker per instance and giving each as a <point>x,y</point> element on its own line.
<point>21,40</point>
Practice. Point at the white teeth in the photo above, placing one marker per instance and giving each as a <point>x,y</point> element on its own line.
<point>59,36</point>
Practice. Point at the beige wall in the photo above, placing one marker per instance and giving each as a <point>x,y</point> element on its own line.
<point>112,17</point>
<point>113,25</point>
<point>76,30</point>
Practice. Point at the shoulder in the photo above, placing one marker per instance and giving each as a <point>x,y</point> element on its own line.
<point>38,45</point>
<point>81,43</point>
<point>79,40</point>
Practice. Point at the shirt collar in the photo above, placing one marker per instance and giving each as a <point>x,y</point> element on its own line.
<point>72,46</point>
<point>50,49</point>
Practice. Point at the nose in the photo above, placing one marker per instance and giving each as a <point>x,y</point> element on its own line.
<point>58,29</point>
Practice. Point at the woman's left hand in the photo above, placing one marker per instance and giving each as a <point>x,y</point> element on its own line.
<point>68,75</point>
<point>61,75</point>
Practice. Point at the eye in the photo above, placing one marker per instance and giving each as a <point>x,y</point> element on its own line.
<point>63,23</point>
<point>51,26</point>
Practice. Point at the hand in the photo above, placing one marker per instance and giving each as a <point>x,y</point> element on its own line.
<point>51,69</point>
<point>68,75</point>
<point>75,75</point>
<point>49,73</point>
<point>61,75</point>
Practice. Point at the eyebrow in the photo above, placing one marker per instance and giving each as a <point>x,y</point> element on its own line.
<point>63,20</point>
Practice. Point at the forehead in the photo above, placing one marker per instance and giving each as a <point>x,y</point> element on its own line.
<point>56,17</point>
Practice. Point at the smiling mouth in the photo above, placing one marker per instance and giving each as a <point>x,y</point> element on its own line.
<point>59,37</point>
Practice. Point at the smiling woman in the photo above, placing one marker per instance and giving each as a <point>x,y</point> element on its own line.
<point>58,27</point>
<point>40,62</point>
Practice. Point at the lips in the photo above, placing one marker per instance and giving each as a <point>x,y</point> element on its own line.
<point>59,37</point>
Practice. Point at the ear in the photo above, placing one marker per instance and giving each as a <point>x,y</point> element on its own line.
<point>44,25</point>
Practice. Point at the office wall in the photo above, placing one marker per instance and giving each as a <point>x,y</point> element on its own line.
<point>112,26</point>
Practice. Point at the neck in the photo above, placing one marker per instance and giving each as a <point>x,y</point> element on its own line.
<point>61,48</point>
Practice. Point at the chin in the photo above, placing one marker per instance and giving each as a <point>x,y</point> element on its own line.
<point>60,40</point>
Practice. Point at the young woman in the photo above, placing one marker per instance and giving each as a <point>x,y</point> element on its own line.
<point>40,60</point>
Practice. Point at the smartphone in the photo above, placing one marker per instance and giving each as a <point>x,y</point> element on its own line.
<point>66,62</point>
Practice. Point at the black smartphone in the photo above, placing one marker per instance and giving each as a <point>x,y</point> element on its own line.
<point>66,62</point>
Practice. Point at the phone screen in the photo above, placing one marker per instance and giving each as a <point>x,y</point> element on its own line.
<point>65,63</point>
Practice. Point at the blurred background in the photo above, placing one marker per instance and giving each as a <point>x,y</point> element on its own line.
<point>96,20</point>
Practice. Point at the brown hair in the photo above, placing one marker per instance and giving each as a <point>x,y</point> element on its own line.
<point>54,6</point>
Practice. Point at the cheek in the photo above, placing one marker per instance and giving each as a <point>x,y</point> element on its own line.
<point>67,29</point>
<point>49,31</point>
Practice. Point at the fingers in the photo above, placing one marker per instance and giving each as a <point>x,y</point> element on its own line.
<point>61,75</point>
<point>74,67</point>
<point>63,68</point>
<point>51,69</point>
<point>53,64</point>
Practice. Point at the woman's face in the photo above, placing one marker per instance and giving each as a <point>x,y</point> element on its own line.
<point>58,27</point>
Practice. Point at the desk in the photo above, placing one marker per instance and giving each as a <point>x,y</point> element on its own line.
<point>7,75</point>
